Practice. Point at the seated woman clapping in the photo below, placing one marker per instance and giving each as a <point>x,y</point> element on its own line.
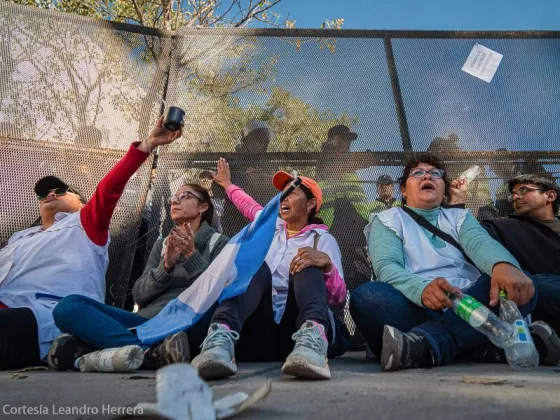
<point>287,299</point>
<point>174,264</point>
<point>403,316</point>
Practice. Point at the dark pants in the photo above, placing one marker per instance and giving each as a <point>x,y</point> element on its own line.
<point>19,341</point>
<point>377,304</point>
<point>548,304</point>
<point>261,338</point>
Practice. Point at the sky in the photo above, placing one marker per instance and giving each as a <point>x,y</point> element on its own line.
<point>427,14</point>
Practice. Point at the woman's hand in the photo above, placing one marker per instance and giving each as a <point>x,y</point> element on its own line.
<point>458,191</point>
<point>223,175</point>
<point>159,137</point>
<point>183,238</point>
<point>171,254</point>
<point>434,296</point>
<point>309,257</point>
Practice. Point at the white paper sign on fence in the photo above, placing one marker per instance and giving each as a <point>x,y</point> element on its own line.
<point>482,62</point>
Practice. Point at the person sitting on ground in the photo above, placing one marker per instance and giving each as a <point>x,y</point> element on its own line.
<point>532,236</point>
<point>400,315</point>
<point>174,264</point>
<point>66,254</point>
<point>287,298</point>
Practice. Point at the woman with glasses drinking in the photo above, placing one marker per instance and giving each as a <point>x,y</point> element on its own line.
<point>420,252</point>
<point>174,264</point>
<point>66,254</point>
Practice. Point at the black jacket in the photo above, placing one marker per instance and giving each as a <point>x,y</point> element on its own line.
<point>535,246</point>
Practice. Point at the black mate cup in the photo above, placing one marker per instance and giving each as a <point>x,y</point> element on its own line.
<point>174,119</point>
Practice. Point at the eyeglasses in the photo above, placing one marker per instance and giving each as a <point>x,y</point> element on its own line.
<point>521,191</point>
<point>59,192</point>
<point>434,173</point>
<point>179,198</point>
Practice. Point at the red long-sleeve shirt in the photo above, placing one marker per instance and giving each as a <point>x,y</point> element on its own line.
<point>96,214</point>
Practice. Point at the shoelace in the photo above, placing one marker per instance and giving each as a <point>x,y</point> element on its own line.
<point>418,353</point>
<point>309,337</point>
<point>219,338</point>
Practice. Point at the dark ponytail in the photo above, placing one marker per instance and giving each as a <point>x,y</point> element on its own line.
<point>313,219</point>
<point>208,215</point>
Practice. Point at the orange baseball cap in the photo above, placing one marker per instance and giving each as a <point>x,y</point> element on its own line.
<point>281,178</point>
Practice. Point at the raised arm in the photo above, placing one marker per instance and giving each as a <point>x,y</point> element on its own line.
<point>240,199</point>
<point>96,214</point>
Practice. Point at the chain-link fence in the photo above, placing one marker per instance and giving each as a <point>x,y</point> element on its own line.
<point>345,107</point>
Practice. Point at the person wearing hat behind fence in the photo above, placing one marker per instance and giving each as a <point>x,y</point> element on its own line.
<point>254,142</point>
<point>66,254</point>
<point>287,299</point>
<point>385,199</point>
<point>174,264</point>
<point>419,253</point>
<point>345,209</point>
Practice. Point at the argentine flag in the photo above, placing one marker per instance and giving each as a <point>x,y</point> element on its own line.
<point>227,276</point>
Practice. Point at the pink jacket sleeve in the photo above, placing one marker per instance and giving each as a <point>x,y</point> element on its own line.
<point>243,201</point>
<point>336,287</point>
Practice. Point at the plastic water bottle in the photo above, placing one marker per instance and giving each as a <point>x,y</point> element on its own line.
<point>500,333</point>
<point>119,359</point>
<point>471,173</point>
<point>522,353</point>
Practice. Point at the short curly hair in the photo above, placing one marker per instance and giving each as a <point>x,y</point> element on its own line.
<point>544,183</point>
<point>430,159</point>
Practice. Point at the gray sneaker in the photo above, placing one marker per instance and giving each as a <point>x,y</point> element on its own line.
<point>547,342</point>
<point>308,360</point>
<point>217,359</point>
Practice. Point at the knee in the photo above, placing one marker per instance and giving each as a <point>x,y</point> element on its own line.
<point>307,273</point>
<point>370,297</point>
<point>67,309</point>
<point>263,272</point>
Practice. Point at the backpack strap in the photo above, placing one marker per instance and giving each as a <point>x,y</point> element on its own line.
<point>213,239</point>
<point>316,240</point>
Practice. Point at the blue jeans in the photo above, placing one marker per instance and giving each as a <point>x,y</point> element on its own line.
<point>548,305</point>
<point>375,304</point>
<point>99,325</point>
<point>103,326</point>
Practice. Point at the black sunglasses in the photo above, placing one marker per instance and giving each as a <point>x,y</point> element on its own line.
<point>59,192</point>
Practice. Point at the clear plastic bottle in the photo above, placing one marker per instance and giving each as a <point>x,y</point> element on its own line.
<point>119,359</point>
<point>471,173</point>
<point>522,353</point>
<point>483,319</point>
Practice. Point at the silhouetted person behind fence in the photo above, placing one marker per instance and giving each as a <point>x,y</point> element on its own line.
<point>345,208</point>
<point>250,175</point>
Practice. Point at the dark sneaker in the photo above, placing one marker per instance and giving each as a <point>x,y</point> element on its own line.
<point>64,352</point>
<point>174,349</point>
<point>547,343</point>
<point>404,350</point>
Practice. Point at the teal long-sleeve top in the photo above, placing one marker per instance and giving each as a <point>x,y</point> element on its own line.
<point>387,253</point>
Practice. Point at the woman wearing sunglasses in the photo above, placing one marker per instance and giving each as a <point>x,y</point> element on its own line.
<point>420,252</point>
<point>66,254</point>
<point>175,262</point>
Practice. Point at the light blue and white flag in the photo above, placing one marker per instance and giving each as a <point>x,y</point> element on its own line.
<point>227,276</point>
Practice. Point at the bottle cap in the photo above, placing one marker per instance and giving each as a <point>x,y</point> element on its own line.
<point>503,294</point>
